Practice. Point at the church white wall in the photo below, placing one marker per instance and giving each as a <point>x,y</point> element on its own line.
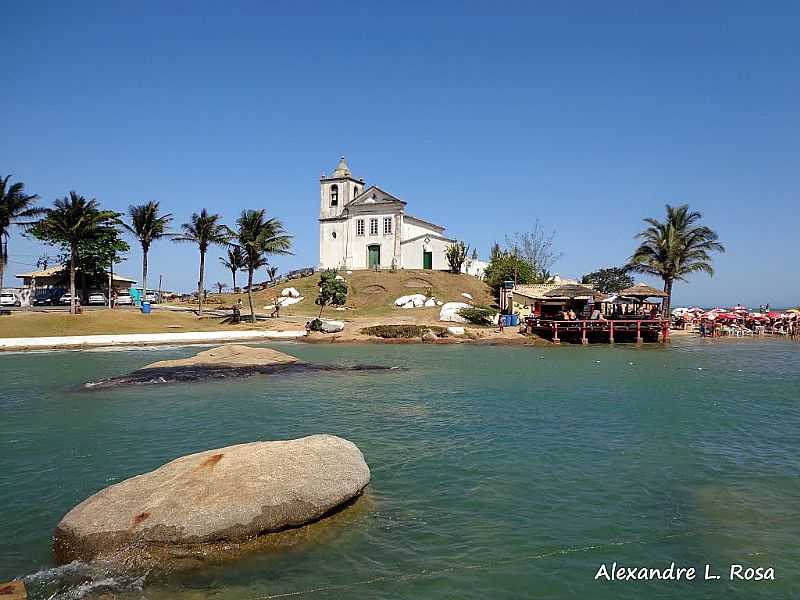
<point>360,243</point>
<point>413,253</point>
<point>332,249</point>
<point>412,230</point>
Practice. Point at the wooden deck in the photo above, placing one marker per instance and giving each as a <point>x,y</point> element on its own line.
<point>604,331</point>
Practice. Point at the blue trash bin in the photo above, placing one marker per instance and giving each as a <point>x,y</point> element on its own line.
<point>146,308</point>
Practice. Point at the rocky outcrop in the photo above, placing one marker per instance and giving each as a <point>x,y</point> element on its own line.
<point>230,494</point>
<point>230,355</point>
<point>290,292</point>
<point>224,362</point>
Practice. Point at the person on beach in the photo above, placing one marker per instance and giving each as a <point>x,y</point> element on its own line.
<point>597,315</point>
<point>237,311</point>
<point>571,316</point>
<point>501,319</point>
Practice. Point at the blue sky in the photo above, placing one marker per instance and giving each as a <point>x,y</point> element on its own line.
<point>483,116</point>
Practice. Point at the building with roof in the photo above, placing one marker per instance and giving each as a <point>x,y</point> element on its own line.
<point>365,227</point>
<point>58,277</point>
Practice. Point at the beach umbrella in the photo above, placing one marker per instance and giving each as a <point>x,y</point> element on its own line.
<point>774,315</point>
<point>642,290</point>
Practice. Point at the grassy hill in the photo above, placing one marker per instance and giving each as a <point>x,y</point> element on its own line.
<point>372,294</point>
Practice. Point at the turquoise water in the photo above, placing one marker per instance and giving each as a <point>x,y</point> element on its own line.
<point>497,472</point>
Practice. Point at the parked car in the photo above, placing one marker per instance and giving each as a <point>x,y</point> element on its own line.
<point>9,299</point>
<point>47,297</point>
<point>124,299</point>
<point>152,298</point>
<point>65,299</point>
<point>97,298</point>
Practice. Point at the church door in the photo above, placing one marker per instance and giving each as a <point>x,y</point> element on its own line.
<point>427,260</point>
<point>374,256</point>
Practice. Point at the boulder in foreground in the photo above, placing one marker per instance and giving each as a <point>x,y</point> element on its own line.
<point>229,494</point>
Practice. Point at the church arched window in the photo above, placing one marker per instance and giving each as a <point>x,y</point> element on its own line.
<point>355,191</point>
<point>334,195</point>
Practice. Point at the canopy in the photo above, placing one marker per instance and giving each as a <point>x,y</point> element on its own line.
<point>642,290</point>
<point>570,291</point>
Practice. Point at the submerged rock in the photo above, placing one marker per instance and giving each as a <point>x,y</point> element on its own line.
<point>227,495</point>
<point>230,361</point>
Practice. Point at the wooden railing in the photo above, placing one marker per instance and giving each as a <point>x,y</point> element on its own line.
<point>610,326</point>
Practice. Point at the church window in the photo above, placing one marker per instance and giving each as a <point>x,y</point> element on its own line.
<point>387,225</point>
<point>360,227</point>
<point>355,191</point>
<point>373,226</point>
<point>334,195</point>
<point>333,234</point>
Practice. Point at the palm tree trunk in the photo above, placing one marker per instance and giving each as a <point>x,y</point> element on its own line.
<point>249,294</point>
<point>144,275</point>
<point>667,305</point>
<point>3,257</point>
<point>200,286</point>
<point>73,258</point>
<point>233,272</point>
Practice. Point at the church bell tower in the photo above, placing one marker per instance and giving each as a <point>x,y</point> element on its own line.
<point>337,190</point>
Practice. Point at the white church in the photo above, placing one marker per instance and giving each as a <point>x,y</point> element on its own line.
<point>364,227</point>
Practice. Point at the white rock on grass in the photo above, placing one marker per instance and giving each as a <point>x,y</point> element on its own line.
<point>339,278</point>
<point>449,312</point>
<point>455,330</point>
<point>290,292</point>
<point>466,295</point>
<point>430,302</point>
<point>332,326</point>
<point>412,301</point>
<point>227,495</point>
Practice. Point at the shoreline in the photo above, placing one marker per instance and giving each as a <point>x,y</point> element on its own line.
<point>187,338</point>
<point>143,339</point>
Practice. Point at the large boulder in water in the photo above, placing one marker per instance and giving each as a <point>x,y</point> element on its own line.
<point>229,494</point>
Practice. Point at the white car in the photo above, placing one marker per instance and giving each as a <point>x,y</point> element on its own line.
<point>65,299</point>
<point>97,298</point>
<point>9,299</point>
<point>124,300</point>
<point>151,297</point>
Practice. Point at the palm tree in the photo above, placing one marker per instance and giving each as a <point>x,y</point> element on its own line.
<point>220,286</point>
<point>74,220</point>
<point>16,208</point>
<point>233,262</point>
<point>675,248</point>
<point>259,237</point>
<point>204,230</point>
<point>147,226</point>
<point>272,272</point>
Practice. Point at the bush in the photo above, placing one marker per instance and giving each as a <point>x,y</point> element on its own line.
<point>401,331</point>
<point>478,315</point>
<point>315,325</point>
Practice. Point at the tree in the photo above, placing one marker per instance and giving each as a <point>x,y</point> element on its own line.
<point>96,256</point>
<point>675,248</point>
<point>259,237</point>
<point>495,251</point>
<point>536,248</point>
<point>16,208</point>
<point>456,255</point>
<point>272,273</point>
<point>73,221</point>
<point>147,225</point>
<point>234,262</point>
<point>220,286</point>
<point>609,280</point>
<point>474,254</point>
<point>332,291</point>
<point>204,230</point>
<point>508,266</point>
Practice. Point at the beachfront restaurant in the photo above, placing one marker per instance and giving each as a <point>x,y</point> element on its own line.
<point>577,313</point>
<point>58,278</point>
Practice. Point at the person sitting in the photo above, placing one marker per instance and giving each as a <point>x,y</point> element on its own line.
<point>571,316</point>
<point>597,315</point>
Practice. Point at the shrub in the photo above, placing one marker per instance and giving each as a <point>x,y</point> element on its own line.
<point>478,315</point>
<point>401,331</point>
